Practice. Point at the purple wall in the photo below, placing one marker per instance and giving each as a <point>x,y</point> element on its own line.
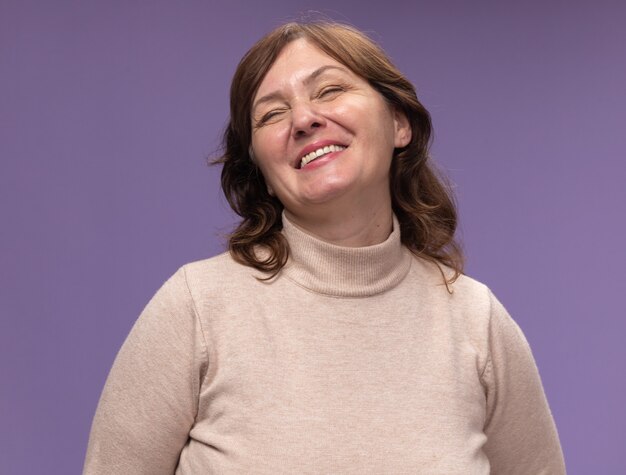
<point>108,110</point>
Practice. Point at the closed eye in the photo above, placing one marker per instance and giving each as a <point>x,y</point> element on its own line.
<point>330,91</point>
<point>268,116</point>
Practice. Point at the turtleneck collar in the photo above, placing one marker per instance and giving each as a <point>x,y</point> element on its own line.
<point>345,271</point>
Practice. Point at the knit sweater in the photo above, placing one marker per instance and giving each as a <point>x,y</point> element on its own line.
<point>350,361</point>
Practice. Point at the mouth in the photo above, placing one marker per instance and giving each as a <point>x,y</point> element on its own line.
<point>318,152</point>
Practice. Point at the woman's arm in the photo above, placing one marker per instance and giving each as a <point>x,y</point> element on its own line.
<point>149,401</point>
<point>521,434</point>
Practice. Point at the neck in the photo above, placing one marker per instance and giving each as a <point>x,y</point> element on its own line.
<point>329,269</point>
<point>360,227</point>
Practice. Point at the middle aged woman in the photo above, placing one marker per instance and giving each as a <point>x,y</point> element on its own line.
<point>338,334</point>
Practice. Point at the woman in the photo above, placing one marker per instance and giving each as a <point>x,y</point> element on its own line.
<point>338,335</point>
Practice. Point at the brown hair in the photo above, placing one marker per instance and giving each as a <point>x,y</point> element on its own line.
<point>421,199</point>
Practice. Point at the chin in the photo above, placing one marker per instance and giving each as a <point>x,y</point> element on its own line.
<point>326,194</point>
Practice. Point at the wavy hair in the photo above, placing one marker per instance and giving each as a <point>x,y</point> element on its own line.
<point>421,197</point>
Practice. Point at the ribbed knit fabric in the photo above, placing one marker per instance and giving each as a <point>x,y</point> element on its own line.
<point>350,361</point>
<point>345,272</point>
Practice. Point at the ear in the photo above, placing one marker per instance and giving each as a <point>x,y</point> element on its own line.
<point>402,128</point>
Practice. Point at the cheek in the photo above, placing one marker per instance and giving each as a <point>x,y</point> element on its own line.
<point>260,142</point>
<point>269,151</point>
<point>270,140</point>
<point>369,117</point>
<point>347,114</point>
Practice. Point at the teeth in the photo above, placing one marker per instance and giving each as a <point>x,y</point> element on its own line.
<point>319,152</point>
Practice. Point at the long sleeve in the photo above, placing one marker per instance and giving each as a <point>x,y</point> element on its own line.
<point>150,398</point>
<point>521,434</point>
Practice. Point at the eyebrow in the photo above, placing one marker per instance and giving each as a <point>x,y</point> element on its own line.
<point>311,77</point>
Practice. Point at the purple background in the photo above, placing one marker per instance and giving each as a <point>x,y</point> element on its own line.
<point>108,111</point>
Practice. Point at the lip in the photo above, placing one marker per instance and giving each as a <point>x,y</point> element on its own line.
<point>314,146</point>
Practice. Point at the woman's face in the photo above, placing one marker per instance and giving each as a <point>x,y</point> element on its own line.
<point>309,105</point>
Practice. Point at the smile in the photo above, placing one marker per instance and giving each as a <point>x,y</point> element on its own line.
<point>320,152</point>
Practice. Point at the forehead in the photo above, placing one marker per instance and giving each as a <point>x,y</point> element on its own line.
<point>294,65</point>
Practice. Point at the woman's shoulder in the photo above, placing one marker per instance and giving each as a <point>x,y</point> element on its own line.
<point>466,297</point>
<point>217,263</point>
<point>462,286</point>
<point>217,274</point>
<point>196,284</point>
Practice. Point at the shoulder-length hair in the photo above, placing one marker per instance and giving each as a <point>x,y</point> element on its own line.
<point>421,198</point>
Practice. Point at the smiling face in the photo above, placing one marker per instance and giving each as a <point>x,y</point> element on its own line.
<point>321,135</point>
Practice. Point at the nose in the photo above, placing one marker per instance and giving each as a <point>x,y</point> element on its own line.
<point>305,119</point>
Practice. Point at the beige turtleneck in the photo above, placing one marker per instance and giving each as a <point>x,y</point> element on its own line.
<point>350,361</point>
